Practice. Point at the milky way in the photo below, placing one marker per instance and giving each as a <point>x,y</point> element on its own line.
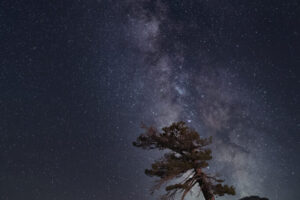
<point>209,96</point>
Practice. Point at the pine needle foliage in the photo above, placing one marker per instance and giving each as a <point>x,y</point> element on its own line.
<point>187,153</point>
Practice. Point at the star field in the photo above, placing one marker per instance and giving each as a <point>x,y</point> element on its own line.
<point>77,79</point>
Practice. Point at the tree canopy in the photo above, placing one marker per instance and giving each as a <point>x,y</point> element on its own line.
<point>185,158</point>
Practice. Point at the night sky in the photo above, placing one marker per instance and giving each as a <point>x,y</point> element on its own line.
<point>78,77</point>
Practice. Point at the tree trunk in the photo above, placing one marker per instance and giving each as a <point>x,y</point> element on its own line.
<point>205,185</point>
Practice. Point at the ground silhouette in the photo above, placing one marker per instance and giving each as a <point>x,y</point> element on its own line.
<point>254,198</point>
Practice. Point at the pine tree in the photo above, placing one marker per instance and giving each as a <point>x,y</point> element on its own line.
<point>186,155</point>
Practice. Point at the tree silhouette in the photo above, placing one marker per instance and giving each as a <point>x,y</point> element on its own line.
<point>186,157</point>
